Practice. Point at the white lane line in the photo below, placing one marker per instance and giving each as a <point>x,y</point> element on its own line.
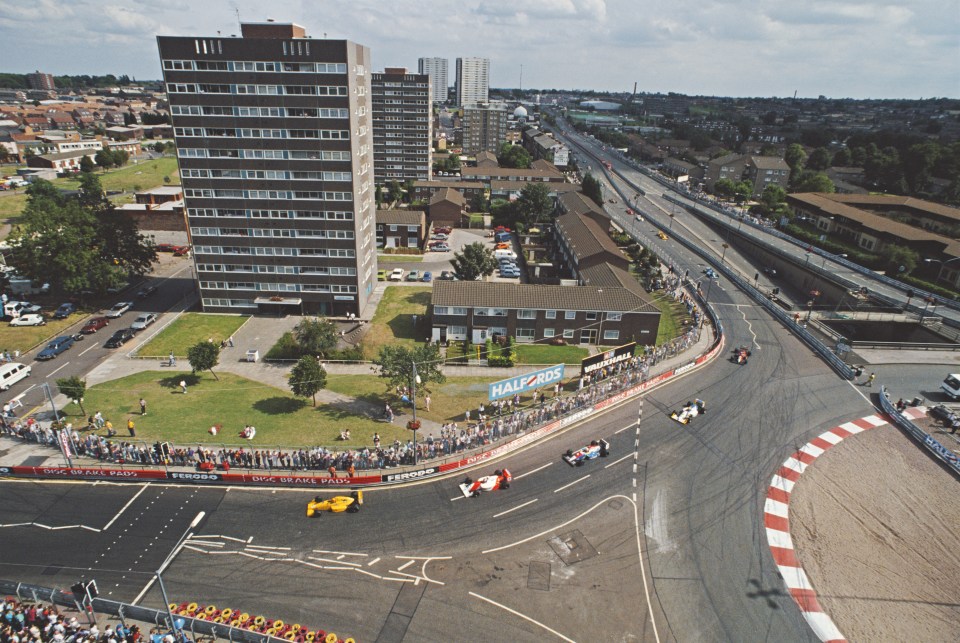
<point>374,561</point>
<point>503,513</point>
<point>32,386</point>
<point>631,425</point>
<point>266,547</point>
<point>62,366</point>
<point>457,498</point>
<point>337,553</point>
<point>524,475</point>
<point>89,349</point>
<point>405,565</point>
<point>523,616</point>
<point>129,502</point>
<point>572,483</point>
<point>335,562</point>
<point>629,455</point>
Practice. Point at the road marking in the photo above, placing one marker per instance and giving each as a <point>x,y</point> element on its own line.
<point>523,475</point>
<point>629,455</point>
<point>374,561</point>
<point>89,349</point>
<point>572,483</point>
<point>457,498</point>
<point>523,616</point>
<point>405,565</point>
<point>129,502</point>
<point>503,513</point>
<point>267,547</point>
<point>756,344</point>
<point>632,424</point>
<point>62,366</point>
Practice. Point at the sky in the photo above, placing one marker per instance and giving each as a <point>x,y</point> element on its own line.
<point>837,48</point>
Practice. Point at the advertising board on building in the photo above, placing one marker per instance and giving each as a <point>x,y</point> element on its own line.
<point>525,382</point>
<point>609,358</point>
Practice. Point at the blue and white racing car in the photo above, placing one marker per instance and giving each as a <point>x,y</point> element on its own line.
<point>596,449</point>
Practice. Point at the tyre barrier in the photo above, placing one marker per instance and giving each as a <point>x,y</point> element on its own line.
<point>331,638</point>
<point>292,632</point>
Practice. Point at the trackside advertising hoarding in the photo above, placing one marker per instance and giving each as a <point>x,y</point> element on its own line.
<point>601,360</point>
<point>526,382</point>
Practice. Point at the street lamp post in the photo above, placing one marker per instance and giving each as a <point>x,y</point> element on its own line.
<point>178,632</point>
<point>724,253</point>
<point>672,215</point>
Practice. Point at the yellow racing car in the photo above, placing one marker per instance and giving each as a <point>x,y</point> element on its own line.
<point>337,504</point>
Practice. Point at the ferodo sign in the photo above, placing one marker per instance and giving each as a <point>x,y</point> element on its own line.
<point>409,475</point>
<point>526,382</point>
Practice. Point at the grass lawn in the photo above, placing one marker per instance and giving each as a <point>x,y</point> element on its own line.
<point>393,321</point>
<point>188,329</point>
<point>399,258</point>
<point>232,402</point>
<point>23,338</point>
<point>448,401</point>
<point>547,354</point>
<point>11,205</point>
<point>672,314</point>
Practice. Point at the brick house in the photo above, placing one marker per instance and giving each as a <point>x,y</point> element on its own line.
<point>401,228</point>
<point>447,208</point>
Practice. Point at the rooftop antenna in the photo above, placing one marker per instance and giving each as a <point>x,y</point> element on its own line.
<point>236,10</point>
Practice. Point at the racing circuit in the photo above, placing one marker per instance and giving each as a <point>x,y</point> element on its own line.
<point>663,539</point>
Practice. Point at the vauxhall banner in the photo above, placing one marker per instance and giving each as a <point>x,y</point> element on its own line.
<point>526,382</point>
<point>608,358</point>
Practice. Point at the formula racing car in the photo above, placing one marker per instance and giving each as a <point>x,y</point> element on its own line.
<point>689,411</point>
<point>596,449</point>
<point>740,355</point>
<point>499,480</point>
<point>337,504</point>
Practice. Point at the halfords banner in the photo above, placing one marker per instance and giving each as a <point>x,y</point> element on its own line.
<point>527,382</point>
<point>609,358</point>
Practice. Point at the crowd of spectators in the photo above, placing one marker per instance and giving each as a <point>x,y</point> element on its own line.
<point>38,623</point>
<point>481,426</point>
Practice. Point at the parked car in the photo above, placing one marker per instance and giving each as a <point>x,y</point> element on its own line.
<point>397,274</point>
<point>413,275</point>
<point>439,237</point>
<point>94,325</point>
<point>381,275</point>
<point>441,247</point>
<point>64,311</point>
<point>30,309</point>
<point>29,320</point>
<point>443,230</point>
<point>119,308</point>
<point>146,291</point>
<point>57,346</point>
<point>502,246</point>
<point>446,275</point>
<point>427,276</point>
<point>119,338</point>
<point>143,321</point>
<point>164,247</point>
<point>181,251</point>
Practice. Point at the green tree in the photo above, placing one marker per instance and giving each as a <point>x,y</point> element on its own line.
<point>725,188</point>
<point>473,262</point>
<point>104,159</point>
<point>795,158</point>
<point>810,181</point>
<point>159,147</point>
<point>91,191</point>
<point>396,364</point>
<point>394,191</point>
<point>899,260</point>
<point>534,203</point>
<point>74,388</point>
<point>478,203</point>
<point>316,336</point>
<point>819,159</point>
<point>87,165</point>
<point>307,378</point>
<point>514,156</point>
<point>591,189</point>
<point>773,196</point>
<point>843,158</point>
<point>203,356</point>
<point>742,191</point>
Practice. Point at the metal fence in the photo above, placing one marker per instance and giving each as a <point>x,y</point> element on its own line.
<point>939,451</point>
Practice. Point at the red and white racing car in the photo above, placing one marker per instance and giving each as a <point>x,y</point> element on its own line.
<point>499,480</point>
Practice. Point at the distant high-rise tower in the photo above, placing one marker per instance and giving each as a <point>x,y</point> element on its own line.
<point>473,80</point>
<point>275,144</point>
<point>436,68</point>
<point>402,126</point>
<point>41,81</point>
<point>484,127</point>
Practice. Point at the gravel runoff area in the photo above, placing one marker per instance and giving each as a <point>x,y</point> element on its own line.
<point>876,526</point>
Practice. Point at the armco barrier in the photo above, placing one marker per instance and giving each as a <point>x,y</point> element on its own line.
<point>941,452</point>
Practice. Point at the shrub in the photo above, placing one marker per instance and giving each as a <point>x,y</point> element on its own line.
<point>285,348</point>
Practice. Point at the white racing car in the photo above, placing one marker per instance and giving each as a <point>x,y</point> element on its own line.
<point>596,449</point>
<point>499,480</point>
<point>689,411</point>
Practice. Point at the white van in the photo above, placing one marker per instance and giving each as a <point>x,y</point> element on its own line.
<point>12,373</point>
<point>509,254</point>
<point>951,386</point>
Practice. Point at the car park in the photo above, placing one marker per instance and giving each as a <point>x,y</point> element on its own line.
<point>473,488</point>
<point>596,449</point>
<point>143,321</point>
<point>413,275</point>
<point>94,325</point>
<point>119,308</point>
<point>146,291</point>
<point>397,274</point>
<point>55,347</point>
<point>427,277</point>
<point>64,311</point>
<point>119,338</point>
<point>381,275</point>
<point>337,504</point>
<point>32,319</point>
